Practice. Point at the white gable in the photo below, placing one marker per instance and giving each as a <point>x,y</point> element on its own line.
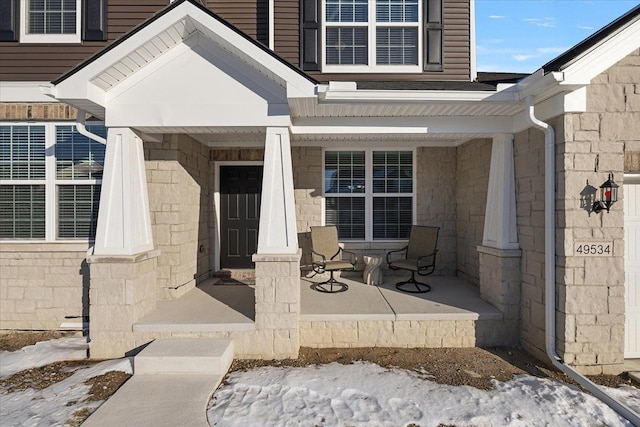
<point>197,84</point>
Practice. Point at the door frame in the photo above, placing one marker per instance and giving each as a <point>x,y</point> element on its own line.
<point>216,204</point>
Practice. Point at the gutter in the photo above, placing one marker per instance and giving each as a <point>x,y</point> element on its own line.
<point>82,129</point>
<point>550,271</point>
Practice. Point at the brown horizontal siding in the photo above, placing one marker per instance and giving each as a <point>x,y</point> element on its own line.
<point>456,47</point>
<point>287,30</point>
<point>46,62</point>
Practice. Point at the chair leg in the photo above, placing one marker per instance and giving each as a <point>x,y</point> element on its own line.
<point>420,286</point>
<point>332,282</point>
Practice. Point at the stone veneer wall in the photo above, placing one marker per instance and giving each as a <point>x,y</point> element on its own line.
<point>591,290</point>
<point>473,166</point>
<point>528,149</point>
<point>179,201</point>
<point>43,285</point>
<point>36,111</point>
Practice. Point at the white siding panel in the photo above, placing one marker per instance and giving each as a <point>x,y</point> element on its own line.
<point>632,269</point>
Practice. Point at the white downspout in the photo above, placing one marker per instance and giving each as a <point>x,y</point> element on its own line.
<point>82,129</point>
<point>550,270</point>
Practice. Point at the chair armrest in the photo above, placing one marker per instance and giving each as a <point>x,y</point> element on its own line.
<point>353,258</point>
<point>433,254</point>
<point>314,254</point>
<point>389,260</point>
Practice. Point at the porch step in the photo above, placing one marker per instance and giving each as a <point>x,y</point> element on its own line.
<point>239,274</point>
<point>185,356</point>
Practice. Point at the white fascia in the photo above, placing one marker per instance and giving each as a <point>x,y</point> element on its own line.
<point>472,41</point>
<point>603,56</point>
<point>351,94</point>
<point>24,92</point>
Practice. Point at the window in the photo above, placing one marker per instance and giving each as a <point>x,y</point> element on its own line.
<point>50,178</point>
<point>372,35</point>
<point>369,194</point>
<point>50,21</point>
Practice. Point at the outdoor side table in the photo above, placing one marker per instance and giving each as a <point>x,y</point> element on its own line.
<point>372,270</point>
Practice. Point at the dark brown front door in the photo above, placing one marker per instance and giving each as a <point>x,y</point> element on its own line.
<point>240,188</point>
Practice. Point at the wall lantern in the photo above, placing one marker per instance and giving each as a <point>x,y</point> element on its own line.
<point>608,195</point>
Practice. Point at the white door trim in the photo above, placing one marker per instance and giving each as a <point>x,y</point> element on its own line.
<point>631,200</point>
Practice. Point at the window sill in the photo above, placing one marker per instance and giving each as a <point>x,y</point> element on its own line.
<point>40,246</point>
<point>50,38</point>
<point>379,69</point>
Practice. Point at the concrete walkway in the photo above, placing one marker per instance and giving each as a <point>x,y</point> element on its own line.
<point>158,400</point>
<point>172,384</point>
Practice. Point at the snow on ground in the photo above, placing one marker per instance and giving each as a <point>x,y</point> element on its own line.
<point>53,405</point>
<point>42,353</point>
<point>360,394</point>
<point>365,394</point>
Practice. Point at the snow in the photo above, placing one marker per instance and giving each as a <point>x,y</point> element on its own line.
<point>365,394</point>
<point>360,395</point>
<point>54,405</point>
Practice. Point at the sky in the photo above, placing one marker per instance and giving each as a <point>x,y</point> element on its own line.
<point>523,35</point>
<point>333,395</point>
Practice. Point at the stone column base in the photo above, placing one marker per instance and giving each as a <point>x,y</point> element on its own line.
<point>277,290</point>
<point>500,284</point>
<point>122,289</point>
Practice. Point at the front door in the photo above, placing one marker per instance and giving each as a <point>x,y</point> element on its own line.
<point>632,269</point>
<point>240,189</point>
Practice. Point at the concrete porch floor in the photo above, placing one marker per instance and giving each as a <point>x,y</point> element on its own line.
<point>210,307</point>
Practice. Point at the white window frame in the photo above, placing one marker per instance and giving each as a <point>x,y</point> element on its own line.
<point>372,24</point>
<point>369,195</point>
<point>51,184</point>
<point>26,37</point>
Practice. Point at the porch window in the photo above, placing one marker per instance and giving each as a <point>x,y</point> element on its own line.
<point>50,178</point>
<point>369,193</point>
<point>50,21</point>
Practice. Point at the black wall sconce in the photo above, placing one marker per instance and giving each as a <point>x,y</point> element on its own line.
<point>608,195</point>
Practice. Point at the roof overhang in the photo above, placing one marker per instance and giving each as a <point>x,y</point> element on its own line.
<point>91,85</point>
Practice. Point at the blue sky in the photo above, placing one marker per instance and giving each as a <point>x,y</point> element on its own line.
<point>523,35</point>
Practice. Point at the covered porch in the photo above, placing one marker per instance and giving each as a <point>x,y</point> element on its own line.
<point>453,314</point>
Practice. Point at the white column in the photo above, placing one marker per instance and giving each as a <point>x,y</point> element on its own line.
<point>124,223</point>
<point>277,233</point>
<point>500,230</point>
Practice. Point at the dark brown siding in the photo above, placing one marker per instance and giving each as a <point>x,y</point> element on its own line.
<point>249,16</point>
<point>46,62</point>
<point>456,45</point>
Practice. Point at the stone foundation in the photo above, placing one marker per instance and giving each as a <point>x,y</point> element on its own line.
<point>123,289</point>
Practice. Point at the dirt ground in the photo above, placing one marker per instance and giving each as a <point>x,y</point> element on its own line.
<point>474,367</point>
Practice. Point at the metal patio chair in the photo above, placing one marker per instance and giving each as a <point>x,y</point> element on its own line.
<point>327,256</point>
<point>419,257</point>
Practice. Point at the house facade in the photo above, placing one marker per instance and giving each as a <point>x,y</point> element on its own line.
<point>146,146</point>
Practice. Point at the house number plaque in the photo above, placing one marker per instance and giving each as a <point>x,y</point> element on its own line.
<point>591,249</point>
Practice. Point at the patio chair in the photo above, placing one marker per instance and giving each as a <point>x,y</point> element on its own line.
<point>327,256</point>
<point>419,257</point>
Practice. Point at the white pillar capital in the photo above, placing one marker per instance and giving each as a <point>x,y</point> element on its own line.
<point>278,232</point>
<point>500,227</point>
<point>124,222</point>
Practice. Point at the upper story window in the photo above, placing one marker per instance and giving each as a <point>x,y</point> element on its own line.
<point>50,21</point>
<point>371,36</point>
<point>362,35</point>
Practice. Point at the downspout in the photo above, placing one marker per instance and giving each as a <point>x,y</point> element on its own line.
<point>82,129</point>
<point>550,270</point>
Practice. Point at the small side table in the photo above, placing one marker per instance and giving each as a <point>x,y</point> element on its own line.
<point>372,270</point>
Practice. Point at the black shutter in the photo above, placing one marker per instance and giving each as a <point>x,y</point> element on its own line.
<point>310,35</point>
<point>94,20</point>
<point>433,30</point>
<point>9,20</point>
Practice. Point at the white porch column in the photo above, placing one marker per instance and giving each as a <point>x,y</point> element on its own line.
<point>499,254</point>
<point>277,232</point>
<point>124,223</point>
<point>500,229</point>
